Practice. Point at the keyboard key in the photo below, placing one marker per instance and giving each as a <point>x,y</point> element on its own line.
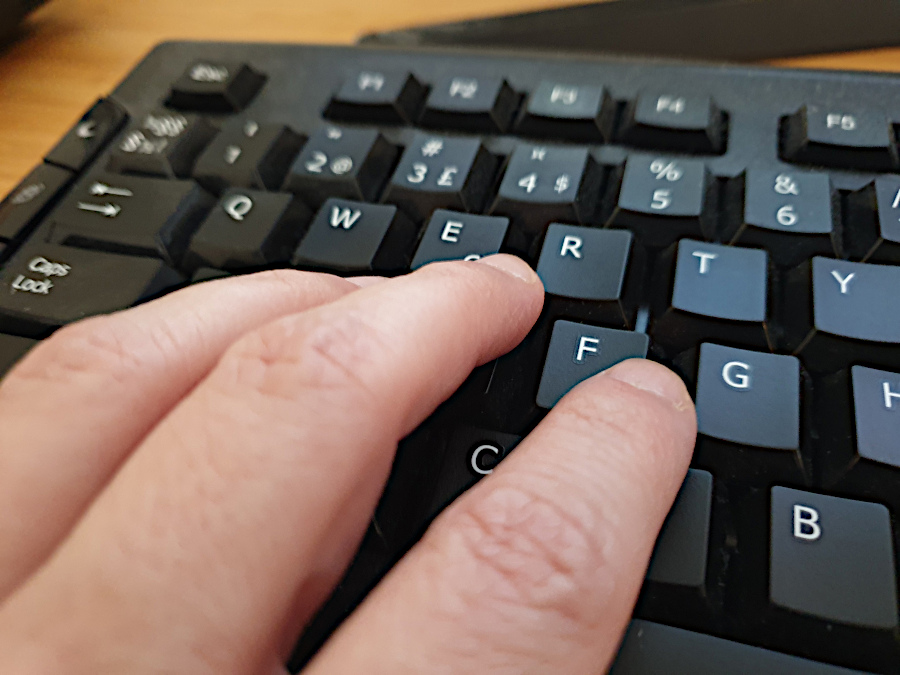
<point>471,454</point>
<point>584,263</point>
<point>451,235</point>
<point>748,398</point>
<point>357,237</point>
<point>854,139</point>
<point>248,229</point>
<point>874,239</point>
<point>832,558</point>
<point>577,352</point>
<point>676,122</point>
<point>718,293</point>
<point>854,317</point>
<point>248,155</point>
<point>12,349</point>
<point>162,144</point>
<point>131,215</point>
<point>338,162</point>
<point>441,172</point>
<point>791,213</point>
<point>876,404</point>
<point>470,103</point>
<point>681,548</point>
<point>26,202</point>
<point>652,648</point>
<point>662,200</point>
<point>857,421</point>
<point>572,112</point>
<point>378,97</point>
<point>216,86</point>
<point>543,184</point>
<point>87,138</point>
<point>45,286</point>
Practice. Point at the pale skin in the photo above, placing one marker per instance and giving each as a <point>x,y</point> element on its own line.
<point>182,484</point>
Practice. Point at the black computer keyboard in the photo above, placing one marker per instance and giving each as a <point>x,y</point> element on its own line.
<point>739,225</point>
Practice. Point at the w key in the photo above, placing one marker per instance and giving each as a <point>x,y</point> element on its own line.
<point>357,237</point>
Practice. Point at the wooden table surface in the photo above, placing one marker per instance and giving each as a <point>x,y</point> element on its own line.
<point>75,50</point>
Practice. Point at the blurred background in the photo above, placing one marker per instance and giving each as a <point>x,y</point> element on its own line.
<point>72,51</point>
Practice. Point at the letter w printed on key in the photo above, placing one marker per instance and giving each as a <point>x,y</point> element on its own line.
<point>343,217</point>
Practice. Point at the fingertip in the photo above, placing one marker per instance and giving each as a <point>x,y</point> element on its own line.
<point>512,265</point>
<point>653,378</point>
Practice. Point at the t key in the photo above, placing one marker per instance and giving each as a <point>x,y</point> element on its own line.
<point>662,200</point>
<point>719,293</point>
<point>791,213</point>
<point>833,558</point>
<point>578,351</point>
<point>441,172</point>
<point>543,184</point>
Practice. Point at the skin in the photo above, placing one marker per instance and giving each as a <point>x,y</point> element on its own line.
<point>183,483</point>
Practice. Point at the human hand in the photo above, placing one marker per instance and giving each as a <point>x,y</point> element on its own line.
<point>183,483</point>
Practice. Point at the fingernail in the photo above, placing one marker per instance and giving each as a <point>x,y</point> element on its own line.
<point>511,265</point>
<point>654,378</point>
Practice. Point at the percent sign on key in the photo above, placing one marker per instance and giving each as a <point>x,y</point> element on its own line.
<point>669,171</point>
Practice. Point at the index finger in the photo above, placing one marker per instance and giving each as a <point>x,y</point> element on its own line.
<point>242,508</point>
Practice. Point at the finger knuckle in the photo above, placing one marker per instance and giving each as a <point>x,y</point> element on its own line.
<point>105,348</point>
<point>330,354</point>
<point>534,552</point>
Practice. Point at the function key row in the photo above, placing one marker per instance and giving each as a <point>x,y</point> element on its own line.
<point>688,122</point>
<point>568,111</point>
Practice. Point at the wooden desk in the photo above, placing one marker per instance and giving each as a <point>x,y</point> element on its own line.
<point>76,50</point>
